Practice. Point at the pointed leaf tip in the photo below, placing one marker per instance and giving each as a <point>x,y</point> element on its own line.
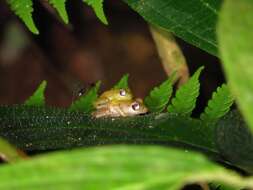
<point>85,103</point>
<point>97,6</point>
<point>159,97</point>
<point>186,96</point>
<point>123,82</point>
<point>37,99</point>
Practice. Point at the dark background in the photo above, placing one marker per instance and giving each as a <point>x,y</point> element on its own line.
<point>75,56</point>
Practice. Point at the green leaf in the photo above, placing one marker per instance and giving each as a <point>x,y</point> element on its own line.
<point>113,167</point>
<point>97,6</point>
<point>85,103</point>
<point>24,10</point>
<point>159,97</point>
<point>123,83</point>
<point>235,141</point>
<point>193,20</point>
<point>37,99</point>
<point>42,128</point>
<point>219,105</point>
<point>185,100</point>
<point>59,5</point>
<point>235,39</point>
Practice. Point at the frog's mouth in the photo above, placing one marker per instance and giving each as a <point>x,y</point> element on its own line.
<point>144,113</point>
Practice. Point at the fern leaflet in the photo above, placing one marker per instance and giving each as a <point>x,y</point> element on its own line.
<point>59,5</point>
<point>38,98</point>
<point>24,9</point>
<point>159,96</point>
<point>219,105</point>
<point>85,103</point>
<point>185,100</point>
<point>123,82</point>
<point>97,6</point>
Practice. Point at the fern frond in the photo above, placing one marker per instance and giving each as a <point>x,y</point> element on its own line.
<point>185,100</point>
<point>219,105</point>
<point>159,97</point>
<point>59,5</point>
<point>38,98</point>
<point>123,82</point>
<point>85,103</point>
<point>23,9</point>
<point>97,6</point>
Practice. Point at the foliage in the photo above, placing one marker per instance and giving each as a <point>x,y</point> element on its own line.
<point>159,97</point>
<point>219,135</point>
<point>59,5</point>
<point>235,37</point>
<point>123,82</point>
<point>136,167</point>
<point>37,99</point>
<point>24,9</point>
<point>85,103</point>
<point>186,96</point>
<point>97,6</point>
<point>219,105</point>
<point>192,20</point>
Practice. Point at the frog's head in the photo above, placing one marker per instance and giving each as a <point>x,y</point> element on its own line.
<point>113,95</point>
<point>120,94</point>
<point>135,107</point>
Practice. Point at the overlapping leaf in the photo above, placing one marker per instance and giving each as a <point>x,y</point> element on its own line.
<point>85,103</point>
<point>186,96</point>
<point>219,105</point>
<point>38,98</point>
<point>117,167</point>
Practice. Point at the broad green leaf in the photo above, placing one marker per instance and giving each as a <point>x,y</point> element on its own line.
<point>159,97</point>
<point>235,141</point>
<point>8,152</point>
<point>113,167</point>
<point>219,105</point>
<point>41,128</point>
<point>193,20</point>
<point>185,100</point>
<point>24,10</point>
<point>235,39</point>
<point>123,82</point>
<point>38,98</point>
<point>97,6</point>
<point>59,5</point>
<point>85,103</point>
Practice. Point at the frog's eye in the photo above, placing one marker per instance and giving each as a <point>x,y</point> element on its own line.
<point>122,92</point>
<point>136,106</point>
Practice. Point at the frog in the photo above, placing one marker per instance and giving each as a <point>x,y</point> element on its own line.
<point>121,108</point>
<point>112,95</point>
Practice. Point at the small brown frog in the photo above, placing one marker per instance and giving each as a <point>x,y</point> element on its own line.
<point>121,108</point>
<point>112,95</point>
